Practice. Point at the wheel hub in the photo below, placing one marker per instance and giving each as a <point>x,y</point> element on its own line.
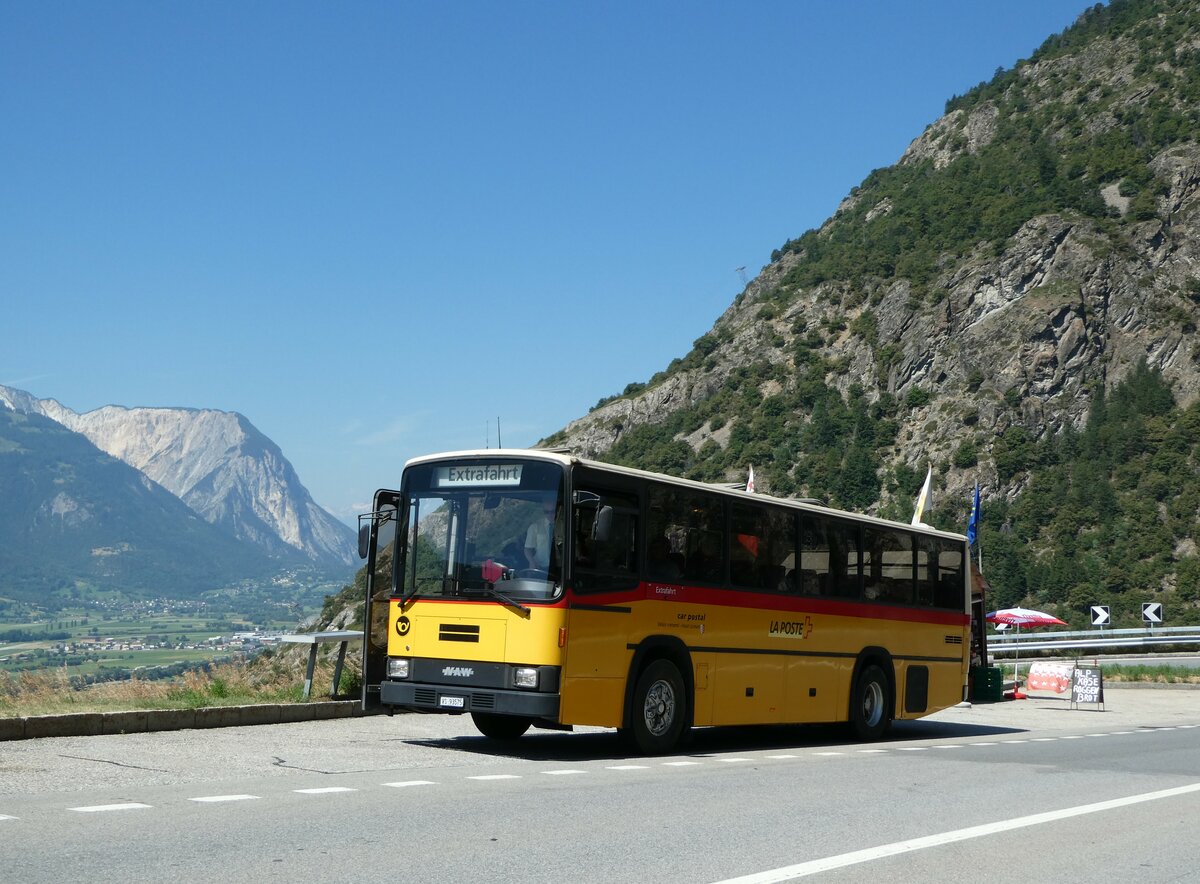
<point>659,710</point>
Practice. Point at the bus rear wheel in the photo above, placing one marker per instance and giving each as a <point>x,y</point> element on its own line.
<point>659,708</point>
<point>501,727</point>
<point>870,713</point>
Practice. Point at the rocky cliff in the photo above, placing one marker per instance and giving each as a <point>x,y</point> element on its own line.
<point>72,516</point>
<point>1027,250</point>
<point>217,463</point>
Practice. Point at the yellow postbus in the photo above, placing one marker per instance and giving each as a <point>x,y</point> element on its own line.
<point>530,587</point>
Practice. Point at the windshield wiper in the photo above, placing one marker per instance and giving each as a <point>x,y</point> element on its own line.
<point>490,589</point>
<point>413,594</point>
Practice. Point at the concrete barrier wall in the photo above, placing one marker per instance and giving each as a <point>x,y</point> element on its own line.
<point>89,724</point>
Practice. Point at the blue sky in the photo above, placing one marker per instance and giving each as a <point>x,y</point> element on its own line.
<point>373,228</point>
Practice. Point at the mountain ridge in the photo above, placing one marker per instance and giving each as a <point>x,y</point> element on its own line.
<point>219,464</point>
<point>1027,249</point>
<point>75,517</point>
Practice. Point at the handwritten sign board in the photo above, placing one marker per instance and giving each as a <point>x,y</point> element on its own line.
<point>1087,685</point>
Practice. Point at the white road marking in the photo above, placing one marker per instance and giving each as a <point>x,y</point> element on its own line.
<point>3,817</point>
<point>801,870</point>
<point>816,865</point>
<point>102,808</point>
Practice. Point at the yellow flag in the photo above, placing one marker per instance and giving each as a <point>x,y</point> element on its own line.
<point>923,498</point>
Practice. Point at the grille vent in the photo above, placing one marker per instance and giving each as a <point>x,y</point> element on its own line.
<point>458,632</point>
<point>954,639</point>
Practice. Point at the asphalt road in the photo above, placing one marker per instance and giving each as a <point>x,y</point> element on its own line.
<point>1018,791</point>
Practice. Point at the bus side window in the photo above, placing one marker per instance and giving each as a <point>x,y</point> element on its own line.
<point>888,565</point>
<point>762,551</point>
<point>950,575</point>
<point>838,562</point>
<point>814,557</point>
<point>829,558</point>
<point>694,526</point>
<point>606,542</point>
<point>928,551</point>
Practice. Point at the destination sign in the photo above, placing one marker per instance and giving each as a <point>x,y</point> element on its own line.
<point>474,475</point>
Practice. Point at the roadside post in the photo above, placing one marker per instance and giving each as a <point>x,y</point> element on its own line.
<point>1152,614</point>
<point>313,639</point>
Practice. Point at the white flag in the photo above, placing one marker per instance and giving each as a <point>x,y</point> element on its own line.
<point>923,497</point>
<point>750,481</point>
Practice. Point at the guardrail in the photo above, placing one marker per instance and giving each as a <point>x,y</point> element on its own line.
<point>1014,643</point>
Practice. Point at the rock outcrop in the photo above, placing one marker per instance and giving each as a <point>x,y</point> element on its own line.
<point>217,463</point>
<point>1019,330</point>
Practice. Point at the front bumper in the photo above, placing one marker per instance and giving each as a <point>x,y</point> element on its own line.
<point>457,699</point>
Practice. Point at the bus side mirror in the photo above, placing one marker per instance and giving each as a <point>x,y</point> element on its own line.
<point>602,527</point>
<point>364,538</point>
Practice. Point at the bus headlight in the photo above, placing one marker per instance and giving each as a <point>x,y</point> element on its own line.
<point>398,667</point>
<point>525,677</point>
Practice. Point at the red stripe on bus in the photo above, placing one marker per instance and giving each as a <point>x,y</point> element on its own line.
<point>733,598</point>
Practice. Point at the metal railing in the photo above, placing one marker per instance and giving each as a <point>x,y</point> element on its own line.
<point>1014,642</point>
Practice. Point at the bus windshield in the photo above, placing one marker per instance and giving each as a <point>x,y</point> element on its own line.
<point>482,529</point>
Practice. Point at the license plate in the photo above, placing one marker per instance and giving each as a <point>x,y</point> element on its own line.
<point>452,702</point>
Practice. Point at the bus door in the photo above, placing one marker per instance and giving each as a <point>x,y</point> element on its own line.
<point>377,534</point>
<point>604,525</point>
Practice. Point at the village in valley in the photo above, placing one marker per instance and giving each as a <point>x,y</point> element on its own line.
<point>107,639</point>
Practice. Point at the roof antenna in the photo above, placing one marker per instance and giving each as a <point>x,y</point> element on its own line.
<point>498,445</point>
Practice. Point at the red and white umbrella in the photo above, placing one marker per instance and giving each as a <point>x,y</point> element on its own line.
<point>1019,617</point>
<point>1023,617</point>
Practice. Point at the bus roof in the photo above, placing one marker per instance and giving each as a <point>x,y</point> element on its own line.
<point>567,459</point>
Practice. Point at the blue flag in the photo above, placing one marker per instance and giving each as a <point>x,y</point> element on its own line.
<point>973,525</point>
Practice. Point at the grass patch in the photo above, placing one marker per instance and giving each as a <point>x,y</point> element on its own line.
<point>275,678</point>
<point>1155,673</point>
<point>1152,674</point>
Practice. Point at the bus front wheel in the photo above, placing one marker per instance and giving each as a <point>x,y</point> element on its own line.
<point>500,727</point>
<point>870,715</point>
<point>659,708</point>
